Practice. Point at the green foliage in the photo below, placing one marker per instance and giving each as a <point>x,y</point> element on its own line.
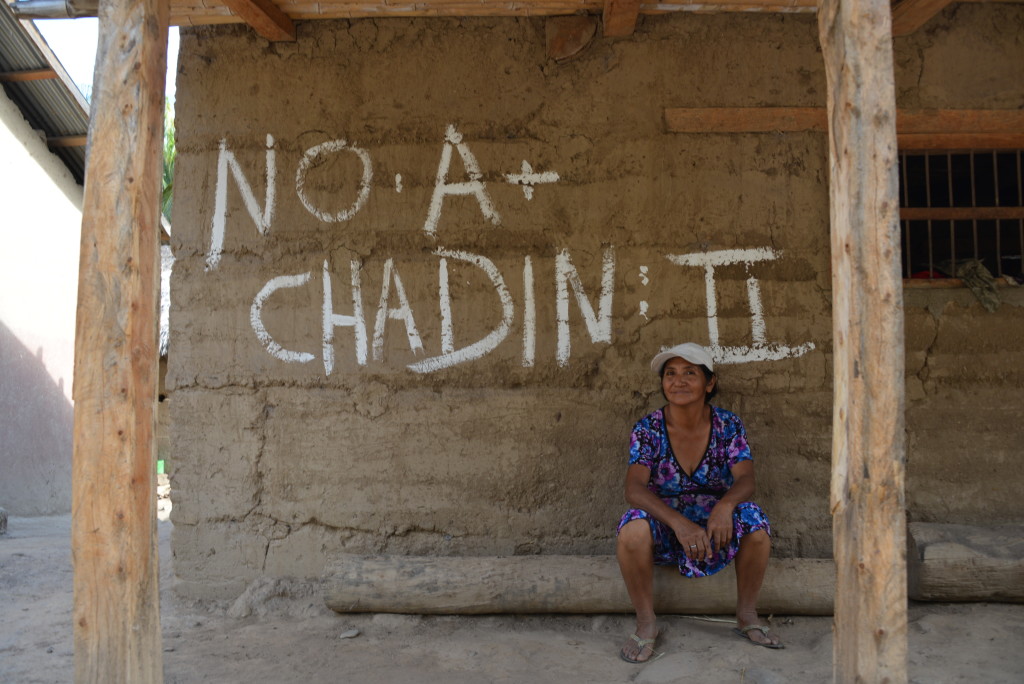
<point>170,152</point>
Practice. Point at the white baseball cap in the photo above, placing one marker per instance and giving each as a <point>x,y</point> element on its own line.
<point>690,351</point>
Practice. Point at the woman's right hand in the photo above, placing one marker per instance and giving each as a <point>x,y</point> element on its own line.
<point>694,539</point>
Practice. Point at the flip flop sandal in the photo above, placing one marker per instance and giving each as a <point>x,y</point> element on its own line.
<point>642,643</point>
<point>743,634</point>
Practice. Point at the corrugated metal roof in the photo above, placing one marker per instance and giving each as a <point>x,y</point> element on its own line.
<point>53,105</point>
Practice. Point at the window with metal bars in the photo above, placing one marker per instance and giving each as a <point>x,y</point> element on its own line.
<point>958,207</point>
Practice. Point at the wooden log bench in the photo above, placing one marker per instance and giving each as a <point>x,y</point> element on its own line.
<point>556,584</point>
<point>945,563</point>
<point>966,563</point>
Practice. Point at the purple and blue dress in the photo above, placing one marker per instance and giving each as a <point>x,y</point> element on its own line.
<point>693,495</point>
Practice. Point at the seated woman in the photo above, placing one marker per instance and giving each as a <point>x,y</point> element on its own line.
<point>689,485</point>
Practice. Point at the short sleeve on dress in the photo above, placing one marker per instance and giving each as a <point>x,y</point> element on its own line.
<point>645,442</point>
<point>735,439</point>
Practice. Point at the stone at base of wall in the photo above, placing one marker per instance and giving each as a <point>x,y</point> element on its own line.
<point>3,521</point>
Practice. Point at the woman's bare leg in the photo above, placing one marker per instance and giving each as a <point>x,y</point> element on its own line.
<point>751,563</point>
<point>635,551</point>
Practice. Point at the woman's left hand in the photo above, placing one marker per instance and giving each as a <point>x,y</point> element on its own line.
<point>720,525</point>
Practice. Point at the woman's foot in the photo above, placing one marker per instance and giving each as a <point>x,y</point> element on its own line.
<point>749,627</point>
<point>639,648</point>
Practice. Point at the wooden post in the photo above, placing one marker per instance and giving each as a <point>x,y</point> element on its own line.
<point>869,523</point>
<point>116,602</point>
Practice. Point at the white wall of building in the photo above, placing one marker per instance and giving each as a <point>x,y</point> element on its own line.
<point>40,224</point>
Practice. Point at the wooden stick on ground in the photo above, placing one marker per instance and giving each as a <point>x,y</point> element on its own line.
<point>869,525</point>
<point>116,604</point>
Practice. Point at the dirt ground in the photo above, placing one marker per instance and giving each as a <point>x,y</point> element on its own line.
<point>281,632</point>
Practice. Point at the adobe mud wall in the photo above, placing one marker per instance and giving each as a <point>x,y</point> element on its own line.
<point>421,269</point>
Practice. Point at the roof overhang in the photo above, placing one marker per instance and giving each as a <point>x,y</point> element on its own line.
<point>275,20</point>
<point>35,81</point>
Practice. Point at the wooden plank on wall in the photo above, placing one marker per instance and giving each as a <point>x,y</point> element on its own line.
<point>114,548</point>
<point>961,141</point>
<point>952,129</point>
<point>265,18</point>
<point>745,119</point>
<point>868,453</point>
<point>960,129</point>
<point>960,121</point>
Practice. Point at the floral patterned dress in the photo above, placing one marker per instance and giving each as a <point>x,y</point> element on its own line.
<point>693,496</point>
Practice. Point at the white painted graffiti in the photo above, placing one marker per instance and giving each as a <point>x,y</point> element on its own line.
<point>226,160</point>
<point>443,188</point>
<point>760,350</point>
<point>394,304</point>
<point>475,186</point>
<point>597,321</point>
<point>256,319</point>
<point>312,155</point>
<point>598,325</point>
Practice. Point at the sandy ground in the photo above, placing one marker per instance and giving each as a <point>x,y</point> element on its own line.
<point>283,633</point>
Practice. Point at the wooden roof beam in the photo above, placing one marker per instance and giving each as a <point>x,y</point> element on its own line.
<point>619,17</point>
<point>28,75</point>
<point>67,141</point>
<point>265,18</point>
<point>910,15</point>
<point>745,119</point>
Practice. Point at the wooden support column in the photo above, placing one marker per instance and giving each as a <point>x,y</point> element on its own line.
<point>869,523</point>
<point>114,543</point>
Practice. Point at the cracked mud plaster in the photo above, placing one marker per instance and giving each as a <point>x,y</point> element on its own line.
<point>279,465</point>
